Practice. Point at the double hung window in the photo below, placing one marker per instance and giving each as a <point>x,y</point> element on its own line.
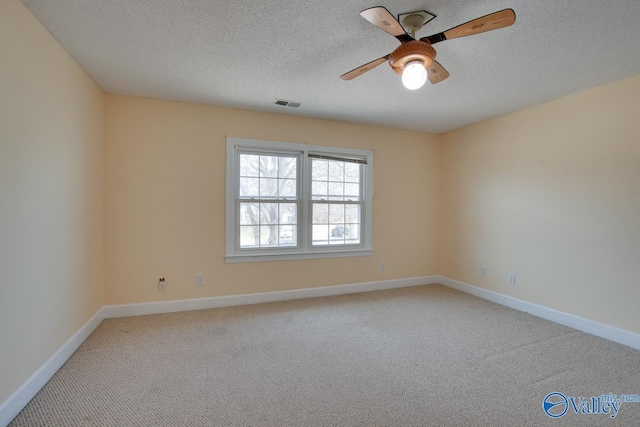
<point>291,201</point>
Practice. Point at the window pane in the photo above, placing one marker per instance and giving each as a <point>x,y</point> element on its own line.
<point>288,235</point>
<point>249,165</point>
<point>269,166</point>
<point>288,213</point>
<point>336,171</point>
<point>320,214</point>
<point>354,234</point>
<point>336,190</point>
<point>319,170</point>
<point>352,191</point>
<point>287,167</point>
<point>249,214</point>
<point>352,213</point>
<point>268,188</point>
<point>249,237</point>
<point>336,214</point>
<point>352,172</point>
<point>249,187</point>
<point>320,234</point>
<point>268,213</point>
<point>287,188</point>
<point>319,190</point>
<point>268,235</point>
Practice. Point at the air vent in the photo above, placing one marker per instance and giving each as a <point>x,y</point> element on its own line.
<point>284,103</point>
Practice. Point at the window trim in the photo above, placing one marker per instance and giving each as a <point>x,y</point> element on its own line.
<point>305,249</point>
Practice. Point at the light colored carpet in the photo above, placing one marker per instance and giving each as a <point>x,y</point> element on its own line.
<point>423,356</point>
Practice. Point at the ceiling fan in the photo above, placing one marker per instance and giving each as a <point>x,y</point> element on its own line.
<point>415,59</point>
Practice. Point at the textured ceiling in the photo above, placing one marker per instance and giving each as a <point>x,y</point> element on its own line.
<point>247,53</point>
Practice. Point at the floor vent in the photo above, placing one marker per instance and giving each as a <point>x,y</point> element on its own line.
<point>284,103</point>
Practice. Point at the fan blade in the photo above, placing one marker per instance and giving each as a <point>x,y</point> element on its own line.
<point>363,68</point>
<point>493,21</point>
<point>382,18</point>
<point>436,72</point>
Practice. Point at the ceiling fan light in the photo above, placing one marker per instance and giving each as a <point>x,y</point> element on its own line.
<point>414,75</point>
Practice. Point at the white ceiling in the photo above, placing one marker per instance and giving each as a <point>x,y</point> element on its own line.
<point>247,53</point>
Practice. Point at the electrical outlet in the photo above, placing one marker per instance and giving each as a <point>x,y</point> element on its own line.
<point>383,266</point>
<point>512,279</point>
<point>200,279</point>
<point>162,284</point>
<point>483,272</point>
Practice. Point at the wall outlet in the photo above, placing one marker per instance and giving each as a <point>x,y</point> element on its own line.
<point>512,279</point>
<point>199,279</point>
<point>383,266</point>
<point>162,284</point>
<point>483,272</point>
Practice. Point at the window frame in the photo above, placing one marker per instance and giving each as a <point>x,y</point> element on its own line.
<point>304,248</point>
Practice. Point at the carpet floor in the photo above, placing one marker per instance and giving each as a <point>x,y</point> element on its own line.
<point>423,356</point>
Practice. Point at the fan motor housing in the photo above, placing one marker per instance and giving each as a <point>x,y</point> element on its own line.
<point>411,51</point>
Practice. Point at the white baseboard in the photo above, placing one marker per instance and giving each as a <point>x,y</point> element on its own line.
<point>126,310</point>
<point>19,399</point>
<point>611,333</point>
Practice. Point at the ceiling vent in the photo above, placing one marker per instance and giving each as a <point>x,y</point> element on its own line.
<point>284,103</point>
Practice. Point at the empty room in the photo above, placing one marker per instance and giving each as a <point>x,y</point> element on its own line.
<point>296,213</point>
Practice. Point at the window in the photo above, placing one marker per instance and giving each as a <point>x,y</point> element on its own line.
<point>293,201</point>
<point>268,201</point>
<point>336,200</point>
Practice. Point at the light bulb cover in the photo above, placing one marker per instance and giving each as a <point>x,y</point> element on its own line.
<point>414,75</point>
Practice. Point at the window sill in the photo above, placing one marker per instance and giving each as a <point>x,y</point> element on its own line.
<point>297,256</point>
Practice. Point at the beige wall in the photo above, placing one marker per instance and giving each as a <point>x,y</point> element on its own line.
<point>165,201</point>
<point>51,133</point>
<point>552,194</point>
